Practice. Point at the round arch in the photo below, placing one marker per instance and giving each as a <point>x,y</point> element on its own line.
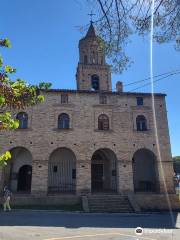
<point>95,84</point>
<point>62,171</point>
<point>103,170</point>
<point>145,172</point>
<point>24,178</point>
<point>20,156</point>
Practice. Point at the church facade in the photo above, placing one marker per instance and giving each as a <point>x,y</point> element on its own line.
<point>91,140</point>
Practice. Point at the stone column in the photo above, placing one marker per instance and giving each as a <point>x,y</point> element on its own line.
<point>39,184</point>
<point>124,177</point>
<point>83,177</point>
<point>165,172</point>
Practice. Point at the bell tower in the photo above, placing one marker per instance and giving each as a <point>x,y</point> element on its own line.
<point>92,72</point>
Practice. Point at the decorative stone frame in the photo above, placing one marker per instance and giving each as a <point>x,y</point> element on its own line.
<point>57,113</point>
<point>97,113</point>
<point>29,112</point>
<point>146,115</point>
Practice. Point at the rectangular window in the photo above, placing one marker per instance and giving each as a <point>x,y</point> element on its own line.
<point>64,98</point>
<point>139,101</point>
<point>103,99</point>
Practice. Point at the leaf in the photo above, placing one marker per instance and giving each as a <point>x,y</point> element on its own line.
<point>4,157</point>
<point>40,98</point>
<point>44,85</point>
<point>16,124</point>
<point>7,43</point>
<point>7,155</point>
<point>9,69</point>
<point>1,61</point>
<point>2,100</point>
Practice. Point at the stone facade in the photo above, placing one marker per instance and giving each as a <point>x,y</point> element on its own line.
<point>84,138</point>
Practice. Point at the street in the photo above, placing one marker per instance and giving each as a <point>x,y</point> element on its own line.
<point>55,225</point>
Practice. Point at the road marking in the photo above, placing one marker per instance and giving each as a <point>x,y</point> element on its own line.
<point>99,234</point>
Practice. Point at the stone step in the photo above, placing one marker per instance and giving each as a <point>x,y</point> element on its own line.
<point>109,200</point>
<point>108,206</point>
<point>109,203</point>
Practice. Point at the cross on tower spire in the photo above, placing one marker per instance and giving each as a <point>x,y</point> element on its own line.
<point>91,16</point>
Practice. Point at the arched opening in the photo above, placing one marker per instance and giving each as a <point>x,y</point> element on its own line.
<point>95,82</point>
<point>62,171</point>
<point>23,120</point>
<point>63,121</point>
<point>145,173</point>
<point>103,171</point>
<point>103,122</point>
<point>24,179</point>
<point>141,123</point>
<point>18,172</point>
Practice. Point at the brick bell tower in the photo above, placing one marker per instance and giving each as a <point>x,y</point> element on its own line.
<point>92,72</point>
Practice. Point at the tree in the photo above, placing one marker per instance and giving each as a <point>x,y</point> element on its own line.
<point>177,158</point>
<point>15,95</point>
<point>176,164</point>
<point>119,19</point>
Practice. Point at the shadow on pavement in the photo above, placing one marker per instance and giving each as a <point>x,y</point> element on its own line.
<point>78,220</point>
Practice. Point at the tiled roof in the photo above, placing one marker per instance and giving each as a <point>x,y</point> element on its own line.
<point>102,92</point>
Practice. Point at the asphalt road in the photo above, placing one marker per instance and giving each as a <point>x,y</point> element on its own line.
<point>54,225</point>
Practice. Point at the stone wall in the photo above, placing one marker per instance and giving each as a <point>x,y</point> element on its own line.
<point>33,200</point>
<point>158,201</point>
<point>83,138</point>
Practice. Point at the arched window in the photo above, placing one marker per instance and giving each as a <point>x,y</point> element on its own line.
<point>103,122</point>
<point>102,61</point>
<point>23,120</point>
<point>63,121</point>
<point>141,123</point>
<point>95,82</point>
<point>93,58</point>
<point>85,59</point>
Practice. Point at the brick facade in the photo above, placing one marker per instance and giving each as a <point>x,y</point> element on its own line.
<point>84,138</point>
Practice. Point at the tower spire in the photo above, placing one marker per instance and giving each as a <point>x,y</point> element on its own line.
<point>91,31</point>
<point>92,71</point>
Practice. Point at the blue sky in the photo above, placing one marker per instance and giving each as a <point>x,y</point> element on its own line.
<point>45,39</point>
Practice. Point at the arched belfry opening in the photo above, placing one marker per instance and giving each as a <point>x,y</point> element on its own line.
<point>62,171</point>
<point>145,172</point>
<point>95,82</point>
<point>103,171</point>
<point>18,172</point>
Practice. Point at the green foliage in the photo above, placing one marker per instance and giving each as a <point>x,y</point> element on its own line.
<point>2,99</point>
<point>4,158</point>
<point>9,69</point>
<point>44,86</point>
<point>7,122</point>
<point>40,98</point>
<point>5,43</point>
<point>177,158</point>
<point>1,61</point>
<point>15,95</point>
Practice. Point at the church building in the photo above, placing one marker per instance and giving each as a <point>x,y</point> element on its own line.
<point>91,144</point>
